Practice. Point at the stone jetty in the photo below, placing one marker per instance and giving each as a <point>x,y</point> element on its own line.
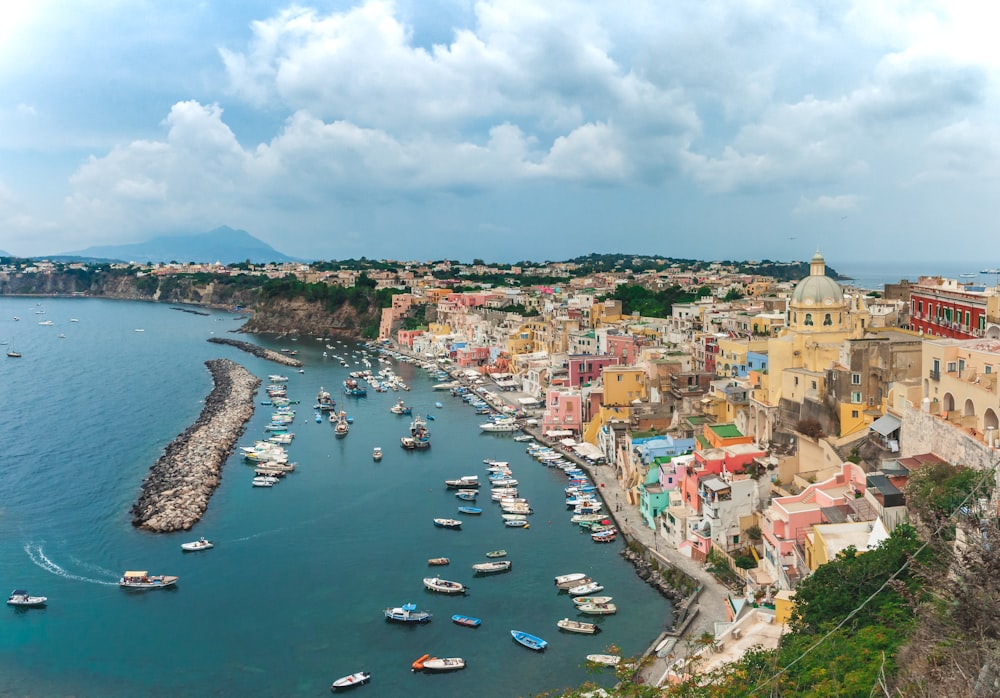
<point>175,494</point>
<point>257,351</point>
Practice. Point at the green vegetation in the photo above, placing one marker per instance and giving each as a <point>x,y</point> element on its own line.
<point>638,299</point>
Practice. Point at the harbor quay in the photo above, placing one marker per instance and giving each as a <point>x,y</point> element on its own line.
<point>175,493</point>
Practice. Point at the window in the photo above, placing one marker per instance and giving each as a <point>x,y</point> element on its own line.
<point>814,385</point>
<point>809,319</point>
<point>989,369</point>
<point>828,319</point>
<point>856,398</point>
<point>855,379</point>
<point>854,414</point>
<point>968,317</point>
<point>950,367</point>
<point>796,380</point>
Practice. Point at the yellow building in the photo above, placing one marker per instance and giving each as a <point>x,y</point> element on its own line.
<point>624,384</point>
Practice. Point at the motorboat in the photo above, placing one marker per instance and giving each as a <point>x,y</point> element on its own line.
<point>407,613</point>
<point>585,589</point>
<point>376,454</point>
<point>275,378</point>
<point>20,597</point>
<point>200,544</point>
<point>464,482</point>
<point>517,523</point>
<point>443,586</point>
<point>606,536</point>
<point>351,680</point>
<point>581,600</point>
<point>577,626</point>
<point>141,579</point>
<point>264,481</point>
<point>444,664</point>
<point>472,511</point>
<point>523,438</point>
<point>565,581</point>
<point>598,609</point>
<point>467,621</point>
<point>438,561</point>
<point>514,517</point>
<point>492,567</point>
<point>467,495</point>
<point>448,523</point>
<point>605,659</point>
<point>530,641</point>
<point>497,553</point>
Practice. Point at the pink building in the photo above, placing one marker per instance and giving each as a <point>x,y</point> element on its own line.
<point>585,368</point>
<point>405,337</point>
<point>472,357</point>
<point>787,520</point>
<point>625,347</point>
<point>563,410</point>
<point>467,300</point>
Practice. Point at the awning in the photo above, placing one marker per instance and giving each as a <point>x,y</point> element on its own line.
<point>885,425</point>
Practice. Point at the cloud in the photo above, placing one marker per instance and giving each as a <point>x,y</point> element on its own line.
<point>827,204</point>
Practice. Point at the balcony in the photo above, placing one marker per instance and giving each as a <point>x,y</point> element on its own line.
<point>935,374</point>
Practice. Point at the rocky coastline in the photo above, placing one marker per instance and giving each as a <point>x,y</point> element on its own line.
<point>175,494</point>
<point>257,351</point>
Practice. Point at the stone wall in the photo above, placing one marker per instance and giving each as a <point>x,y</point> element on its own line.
<point>926,433</point>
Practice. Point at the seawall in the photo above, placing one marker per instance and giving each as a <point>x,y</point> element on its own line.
<point>175,494</point>
<point>259,352</point>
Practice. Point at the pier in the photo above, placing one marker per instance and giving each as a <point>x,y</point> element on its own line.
<point>257,351</point>
<point>175,494</point>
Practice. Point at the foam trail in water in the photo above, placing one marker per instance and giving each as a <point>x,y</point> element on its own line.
<point>38,557</point>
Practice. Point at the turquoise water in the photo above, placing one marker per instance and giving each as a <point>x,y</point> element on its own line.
<point>291,597</point>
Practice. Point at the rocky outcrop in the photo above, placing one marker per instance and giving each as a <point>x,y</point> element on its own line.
<point>668,583</point>
<point>257,351</point>
<point>300,317</point>
<point>175,494</point>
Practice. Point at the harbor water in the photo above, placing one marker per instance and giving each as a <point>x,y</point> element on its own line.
<point>292,595</point>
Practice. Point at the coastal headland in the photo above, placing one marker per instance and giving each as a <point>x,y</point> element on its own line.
<point>175,494</point>
<point>257,351</point>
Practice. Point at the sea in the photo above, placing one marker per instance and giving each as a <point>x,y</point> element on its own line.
<point>292,595</point>
<point>873,275</point>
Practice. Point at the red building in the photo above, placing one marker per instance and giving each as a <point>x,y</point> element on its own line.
<point>945,308</point>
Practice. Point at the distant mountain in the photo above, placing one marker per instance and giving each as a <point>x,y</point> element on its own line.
<point>220,245</point>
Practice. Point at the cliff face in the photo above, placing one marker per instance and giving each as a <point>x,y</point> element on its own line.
<point>280,316</point>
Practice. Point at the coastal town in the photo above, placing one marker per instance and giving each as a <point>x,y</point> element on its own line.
<point>743,440</point>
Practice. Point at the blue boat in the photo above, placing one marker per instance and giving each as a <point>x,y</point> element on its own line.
<point>528,640</point>
<point>467,621</point>
<point>319,418</point>
<point>470,510</point>
<point>407,613</point>
<point>467,495</point>
<point>430,417</point>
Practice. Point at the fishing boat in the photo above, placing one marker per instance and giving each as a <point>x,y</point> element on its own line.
<point>467,495</point>
<point>141,579</point>
<point>350,681</point>
<point>598,609</point>
<point>565,581</point>
<point>376,454</point>
<point>498,553</point>
<point>606,536</point>
<point>577,626</point>
<point>492,567</point>
<point>581,600</point>
<point>472,511</point>
<point>448,523</point>
<point>200,544</point>
<point>438,561</point>
<point>585,589</point>
<point>401,408</point>
<point>532,642</point>
<point>443,586</point>
<point>444,664</point>
<point>464,482</point>
<point>20,597</point>
<point>606,659</point>
<point>467,621</point>
<point>407,613</point>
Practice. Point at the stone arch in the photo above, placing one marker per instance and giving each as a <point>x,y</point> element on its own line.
<point>969,408</point>
<point>993,332</point>
<point>948,402</point>
<point>990,420</point>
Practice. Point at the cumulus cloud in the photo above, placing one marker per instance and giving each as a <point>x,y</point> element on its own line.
<point>827,204</point>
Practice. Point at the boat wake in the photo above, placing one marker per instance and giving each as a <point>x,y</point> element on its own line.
<point>37,555</point>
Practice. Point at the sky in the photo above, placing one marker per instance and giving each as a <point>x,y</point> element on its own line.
<point>505,130</point>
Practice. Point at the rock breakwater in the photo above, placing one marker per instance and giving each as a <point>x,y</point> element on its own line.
<point>175,494</point>
<point>257,351</point>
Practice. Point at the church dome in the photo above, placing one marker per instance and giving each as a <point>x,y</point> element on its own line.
<point>818,289</point>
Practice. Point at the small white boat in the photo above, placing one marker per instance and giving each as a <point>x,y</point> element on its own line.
<point>565,581</point>
<point>448,523</point>
<point>606,659</point>
<point>581,600</point>
<point>443,664</point>
<point>585,589</point>
<point>577,626</point>
<point>263,481</point>
<point>492,567</point>
<point>598,609</point>
<point>350,681</point>
<point>20,597</point>
<point>376,454</point>
<point>141,579</point>
<point>200,544</point>
<point>443,586</point>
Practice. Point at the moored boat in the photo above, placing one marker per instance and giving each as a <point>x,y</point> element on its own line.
<point>585,589</point>
<point>438,561</point>
<point>407,613</point>
<point>492,567</point>
<point>497,553</point>
<point>516,523</point>
<point>598,609</point>
<point>532,642</point>
<point>606,536</point>
<point>443,586</point>
<point>448,523</point>
<point>141,579</point>
<point>444,664</point>
<point>20,597</point>
<point>376,454</point>
<point>581,600</point>
<point>464,482</point>
<point>467,495</point>
<point>577,626</point>
<point>606,659</point>
<point>472,511</point>
<point>572,580</point>
<point>351,680</point>
<point>467,621</point>
<point>200,544</point>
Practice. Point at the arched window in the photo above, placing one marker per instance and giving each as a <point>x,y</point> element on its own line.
<point>809,319</point>
<point>827,320</point>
